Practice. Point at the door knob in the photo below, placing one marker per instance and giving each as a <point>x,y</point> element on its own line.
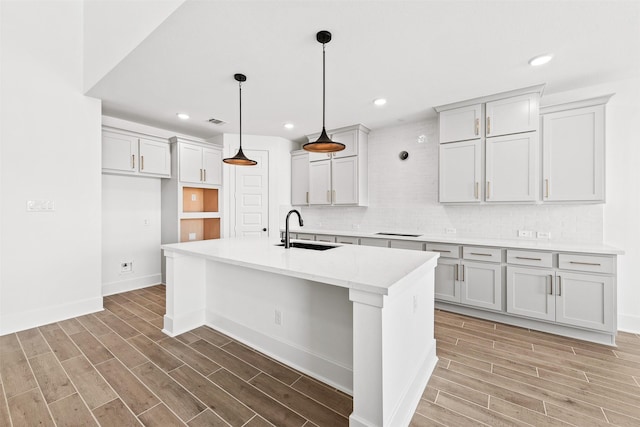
<point>264,229</point>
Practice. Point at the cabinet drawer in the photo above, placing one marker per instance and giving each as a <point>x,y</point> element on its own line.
<point>591,263</point>
<point>534,259</point>
<point>366,241</point>
<point>302,236</point>
<point>325,238</point>
<point>445,250</point>
<point>482,254</point>
<point>346,240</point>
<point>405,244</point>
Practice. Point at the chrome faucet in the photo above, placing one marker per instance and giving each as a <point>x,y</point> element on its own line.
<point>287,237</point>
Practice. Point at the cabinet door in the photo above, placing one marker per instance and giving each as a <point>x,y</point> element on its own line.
<point>155,158</point>
<point>513,115</point>
<point>481,285</point>
<point>585,300</point>
<point>320,182</point>
<point>300,179</point>
<point>447,286</point>
<point>460,172</point>
<point>461,124</point>
<point>345,181</point>
<point>190,163</point>
<point>512,168</point>
<point>212,166</point>
<point>119,152</point>
<point>573,155</point>
<point>530,293</point>
<point>350,140</point>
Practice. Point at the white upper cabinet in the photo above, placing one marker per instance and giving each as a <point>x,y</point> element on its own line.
<point>461,124</point>
<point>320,183</point>
<point>199,164</point>
<point>339,178</point>
<point>155,158</point>
<point>573,147</point>
<point>512,115</point>
<point>512,168</point>
<point>300,178</point>
<point>124,153</point>
<point>461,172</point>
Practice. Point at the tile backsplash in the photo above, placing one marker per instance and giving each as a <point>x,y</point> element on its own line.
<point>403,197</point>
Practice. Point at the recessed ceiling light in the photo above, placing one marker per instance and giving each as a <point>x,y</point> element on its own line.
<point>540,60</point>
<point>380,102</point>
<point>183,116</point>
<point>288,125</point>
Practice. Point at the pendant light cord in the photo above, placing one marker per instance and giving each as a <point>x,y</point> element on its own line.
<point>240,91</point>
<point>323,85</point>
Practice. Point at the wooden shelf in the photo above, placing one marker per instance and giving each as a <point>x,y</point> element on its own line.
<point>196,199</point>
<point>199,229</point>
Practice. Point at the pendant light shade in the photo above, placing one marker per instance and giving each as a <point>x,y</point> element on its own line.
<point>323,144</point>
<point>240,159</point>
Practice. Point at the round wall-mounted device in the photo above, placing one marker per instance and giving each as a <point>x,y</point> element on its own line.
<point>403,155</point>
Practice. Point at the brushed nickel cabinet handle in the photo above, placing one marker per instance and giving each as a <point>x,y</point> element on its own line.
<point>328,196</point>
<point>595,264</point>
<point>528,258</point>
<point>551,290</point>
<point>559,286</point>
<point>133,161</point>
<point>477,126</point>
<point>441,250</point>
<point>205,175</point>
<point>333,196</point>
<point>455,273</point>
<point>478,253</point>
<point>141,163</point>
<point>200,174</point>
<point>488,125</point>
<point>476,190</point>
<point>488,190</point>
<point>546,188</point>
<point>307,197</point>
<point>463,274</point>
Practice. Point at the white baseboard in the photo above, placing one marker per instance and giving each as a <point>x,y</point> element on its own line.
<point>131,284</point>
<point>629,323</point>
<point>315,365</point>
<point>184,323</point>
<point>34,318</point>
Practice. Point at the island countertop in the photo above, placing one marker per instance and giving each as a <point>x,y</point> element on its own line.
<point>369,269</point>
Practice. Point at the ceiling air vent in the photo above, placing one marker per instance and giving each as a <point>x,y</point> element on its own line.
<point>216,121</point>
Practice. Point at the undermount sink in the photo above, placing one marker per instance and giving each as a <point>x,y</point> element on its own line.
<point>313,246</point>
<point>399,234</point>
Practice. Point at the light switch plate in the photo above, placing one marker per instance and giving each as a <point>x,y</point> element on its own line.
<point>192,236</point>
<point>40,206</point>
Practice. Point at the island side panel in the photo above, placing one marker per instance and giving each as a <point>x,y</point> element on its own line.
<point>394,350</point>
<point>315,332</point>
<point>185,304</point>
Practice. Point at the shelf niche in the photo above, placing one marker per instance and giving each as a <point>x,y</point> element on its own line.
<point>199,199</point>
<point>199,229</point>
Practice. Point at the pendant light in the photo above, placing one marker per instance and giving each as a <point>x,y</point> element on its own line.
<point>324,144</point>
<point>240,159</point>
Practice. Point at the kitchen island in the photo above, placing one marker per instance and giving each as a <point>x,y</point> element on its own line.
<point>357,318</point>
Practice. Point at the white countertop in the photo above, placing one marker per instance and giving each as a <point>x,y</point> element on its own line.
<point>364,268</point>
<point>543,245</point>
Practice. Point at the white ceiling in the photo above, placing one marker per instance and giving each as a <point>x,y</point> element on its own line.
<point>417,54</point>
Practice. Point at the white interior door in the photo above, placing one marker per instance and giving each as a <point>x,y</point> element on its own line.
<point>252,196</point>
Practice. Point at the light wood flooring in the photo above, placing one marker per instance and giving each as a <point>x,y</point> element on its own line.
<point>116,368</point>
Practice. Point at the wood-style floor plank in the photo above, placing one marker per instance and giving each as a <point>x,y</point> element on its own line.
<point>16,373</point>
<point>263,363</point>
<point>59,342</point>
<point>339,402</point>
<point>71,411</point>
<point>129,388</point>
<point>52,379</point>
<point>188,355</point>
<point>33,342</point>
<point>30,409</point>
<point>91,347</point>
<point>121,349</point>
<point>115,414</point>
<point>89,383</point>
<point>208,419</point>
<point>226,360</point>
<point>155,353</point>
<point>160,416</point>
<point>93,325</point>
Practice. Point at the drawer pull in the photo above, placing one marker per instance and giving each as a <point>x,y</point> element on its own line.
<point>133,161</point>
<point>441,250</point>
<point>551,291</point>
<point>595,264</point>
<point>528,258</point>
<point>479,254</point>
<point>455,273</point>
<point>477,126</point>
<point>559,286</point>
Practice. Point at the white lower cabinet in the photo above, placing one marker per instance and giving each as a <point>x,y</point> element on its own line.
<point>575,299</point>
<point>481,285</point>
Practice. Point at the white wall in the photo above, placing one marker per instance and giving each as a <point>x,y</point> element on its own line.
<point>403,195</point>
<point>50,265</point>
<point>127,202</point>
<point>114,28</point>
<point>279,176</point>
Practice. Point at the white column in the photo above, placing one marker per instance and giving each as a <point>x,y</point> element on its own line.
<point>186,291</point>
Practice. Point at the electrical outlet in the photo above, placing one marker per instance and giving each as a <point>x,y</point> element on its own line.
<point>126,267</point>
<point>277,318</point>
<point>525,233</point>
<point>355,226</point>
<point>192,236</point>
<point>193,198</point>
<point>415,303</point>
<point>544,235</point>
<point>450,230</point>
<point>422,139</point>
<point>146,222</point>
<point>40,206</point>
